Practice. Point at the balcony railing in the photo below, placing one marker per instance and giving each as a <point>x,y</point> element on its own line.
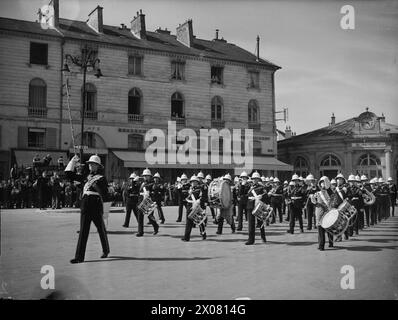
<point>136,117</point>
<point>217,123</point>
<point>179,121</point>
<point>254,125</point>
<point>92,115</point>
<point>37,112</point>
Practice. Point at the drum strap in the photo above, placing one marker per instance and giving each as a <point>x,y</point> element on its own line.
<point>323,198</point>
<point>340,194</point>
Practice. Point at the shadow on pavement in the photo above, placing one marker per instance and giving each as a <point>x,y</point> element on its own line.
<point>121,258</point>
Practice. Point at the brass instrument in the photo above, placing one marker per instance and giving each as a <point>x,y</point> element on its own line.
<point>368,197</point>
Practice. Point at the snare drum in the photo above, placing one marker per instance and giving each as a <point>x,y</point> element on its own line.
<point>197,214</point>
<point>349,210</point>
<point>219,194</point>
<point>335,222</point>
<point>262,211</point>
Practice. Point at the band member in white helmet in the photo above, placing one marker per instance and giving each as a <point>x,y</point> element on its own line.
<point>95,192</point>
<point>296,195</point>
<point>208,180</point>
<point>184,189</point>
<point>220,220</point>
<point>195,193</point>
<point>276,194</point>
<point>243,189</point>
<point>321,200</point>
<point>147,189</point>
<point>133,193</point>
<point>311,189</point>
<point>256,191</point>
<point>158,192</point>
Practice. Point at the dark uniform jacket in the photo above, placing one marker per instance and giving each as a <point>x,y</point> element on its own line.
<point>297,196</point>
<point>259,190</point>
<point>133,191</point>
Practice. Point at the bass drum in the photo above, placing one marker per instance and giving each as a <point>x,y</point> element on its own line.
<point>335,222</point>
<point>219,194</point>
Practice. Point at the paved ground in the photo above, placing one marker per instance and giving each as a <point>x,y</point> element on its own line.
<point>163,267</point>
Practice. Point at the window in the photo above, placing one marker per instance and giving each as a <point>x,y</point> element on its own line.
<point>330,161</point>
<point>91,101</point>
<point>39,53</point>
<point>253,111</point>
<point>37,95</point>
<point>254,77</point>
<point>217,75</point>
<point>36,137</point>
<point>135,142</point>
<point>135,65</point>
<point>257,147</point>
<point>134,101</point>
<point>301,166</point>
<point>177,105</point>
<point>216,108</point>
<point>369,165</point>
<point>178,70</point>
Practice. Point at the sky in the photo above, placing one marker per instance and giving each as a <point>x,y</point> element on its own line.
<point>325,69</point>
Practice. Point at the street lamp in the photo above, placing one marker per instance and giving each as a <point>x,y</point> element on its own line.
<point>85,61</point>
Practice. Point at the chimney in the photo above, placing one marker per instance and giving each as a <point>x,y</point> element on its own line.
<point>216,34</point>
<point>333,119</point>
<point>288,132</point>
<point>95,20</point>
<point>383,118</point>
<point>55,5</point>
<point>138,28</point>
<point>258,49</point>
<point>185,33</point>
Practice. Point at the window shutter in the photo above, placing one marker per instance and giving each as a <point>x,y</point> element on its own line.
<point>51,138</point>
<point>22,137</point>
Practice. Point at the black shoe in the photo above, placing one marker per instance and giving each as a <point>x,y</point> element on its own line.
<point>178,220</point>
<point>204,236</point>
<point>309,228</point>
<point>215,222</point>
<point>185,240</point>
<point>76,261</point>
<point>104,255</point>
<point>139,235</point>
<point>289,231</point>
<point>264,239</point>
<point>248,243</point>
<point>331,245</point>
<point>302,230</point>
<point>155,232</point>
<point>125,226</point>
<point>218,232</point>
<point>321,249</point>
<point>239,229</point>
<point>233,230</point>
<point>162,221</point>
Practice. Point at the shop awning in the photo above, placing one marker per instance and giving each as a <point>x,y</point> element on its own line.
<point>25,157</point>
<point>135,159</point>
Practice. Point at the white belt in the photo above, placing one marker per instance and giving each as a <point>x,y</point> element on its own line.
<point>295,198</point>
<point>91,193</point>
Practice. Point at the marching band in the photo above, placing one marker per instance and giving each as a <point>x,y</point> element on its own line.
<point>339,207</point>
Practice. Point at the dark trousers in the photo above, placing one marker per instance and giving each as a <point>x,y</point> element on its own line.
<point>373,213</point>
<point>276,206</point>
<point>367,215</point>
<point>241,210</point>
<point>131,206</point>
<point>295,213</point>
<point>189,224</point>
<point>93,214</point>
<point>220,224</point>
<point>160,210</point>
<point>252,227</point>
<point>151,219</point>
<point>393,200</point>
<point>310,215</point>
<point>180,209</point>
<point>213,213</point>
<point>321,237</point>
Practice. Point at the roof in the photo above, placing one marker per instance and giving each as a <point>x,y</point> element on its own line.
<point>123,37</point>
<point>344,129</point>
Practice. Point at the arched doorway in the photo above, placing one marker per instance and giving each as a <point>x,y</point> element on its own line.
<point>301,166</point>
<point>330,166</point>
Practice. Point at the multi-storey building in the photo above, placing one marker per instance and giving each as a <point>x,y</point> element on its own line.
<point>365,144</point>
<point>149,78</point>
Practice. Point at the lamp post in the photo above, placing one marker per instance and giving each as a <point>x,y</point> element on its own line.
<point>85,61</point>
